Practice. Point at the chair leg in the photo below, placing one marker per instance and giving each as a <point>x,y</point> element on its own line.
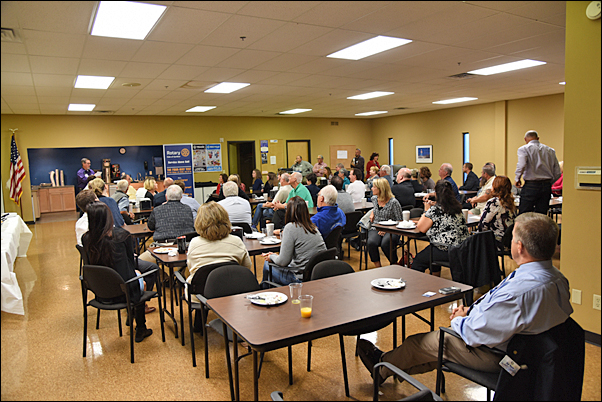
<point>204,320</point>
<point>357,341</point>
<point>97,319</point>
<point>119,321</point>
<point>191,329</point>
<point>344,361</point>
<point>228,362</point>
<point>131,335</point>
<point>309,356</point>
<point>85,327</point>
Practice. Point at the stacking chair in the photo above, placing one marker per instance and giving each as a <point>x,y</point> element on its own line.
<point>246,228</point>
<point>350,231</point>
<point>423,394</point>
<point>407,207</point>
<point>106,283</point>
<point>187,290</point>
<point>334,239</point>
<point>329,254</point>
<point>551,366</point>
<point>505,251</point>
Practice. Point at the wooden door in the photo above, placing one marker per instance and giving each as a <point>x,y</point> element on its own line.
<point>277,150</point>
<point>294,148</point>
<point>68,194</point>
<point>56,201</point>
<point>44,199</point>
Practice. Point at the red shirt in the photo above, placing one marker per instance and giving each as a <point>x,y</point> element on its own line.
<point>369,165</point>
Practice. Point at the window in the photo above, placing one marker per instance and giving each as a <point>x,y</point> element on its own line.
<point>391,153</point>
<point>465,151</point>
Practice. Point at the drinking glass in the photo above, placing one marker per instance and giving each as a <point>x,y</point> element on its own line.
<point>306,302</point>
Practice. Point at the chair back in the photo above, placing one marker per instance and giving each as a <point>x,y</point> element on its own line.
<point>190,236</point>
<point>507,238</point>
<point>475,261</point>
<point>326,269</point>
<point>353,219</point>
<point>246,228</point>
<point>199,280</point>
<point>329,254</point>
<point>230,280</point>
<point>416,212</point>
<point>407,207</point>
<point>83,257</point>
<point>555,364</point>
<point>104,282</point>
<point>332,240</point>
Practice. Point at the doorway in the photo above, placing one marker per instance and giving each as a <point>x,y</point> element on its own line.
<point>298,147</point>
<point>241,160</point>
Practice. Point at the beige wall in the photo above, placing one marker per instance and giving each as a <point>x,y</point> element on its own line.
<point>580,254</point>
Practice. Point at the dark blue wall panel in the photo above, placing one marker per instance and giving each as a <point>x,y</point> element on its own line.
<point>43,160</point>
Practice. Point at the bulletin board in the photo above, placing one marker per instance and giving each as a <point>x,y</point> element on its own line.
<point>335,155</point>
<point>277,152</point>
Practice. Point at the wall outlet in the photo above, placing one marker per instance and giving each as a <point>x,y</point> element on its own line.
<point>576,296</point>
<point>221,140</point>
<point>597,302</point>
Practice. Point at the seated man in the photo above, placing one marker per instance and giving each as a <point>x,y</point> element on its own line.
<point>265,211</point>
<point>472,181</point>
<point>344,200</point>
<point>82,199</point>
<point>484,194</point>
<point>186,200</point>
<point>301,166</point>
<point>311,186</point>
<point>238,209</point>
<point>159,198</point>
<point>531,300</point>
<point>297,189</point>
<point>356,188</point>
<point>123,201</point>
<point>403,190</point>
<point>171,219</point>
<point>329,215</point>
<point>385,171</point>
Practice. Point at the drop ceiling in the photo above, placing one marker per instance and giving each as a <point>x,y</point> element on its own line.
<point>197,44</point>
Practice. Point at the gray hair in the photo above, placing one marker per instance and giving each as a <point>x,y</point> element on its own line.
<point>174,193</point>
<point>489,170</point>
<point>448,168</point>
<point>343,170</point>
<point>386,168</point>
<point>285,176</point>
<point>122,185</point>
<point>341,165</point>
<point>492,165</point>
<point>531,134</point>
<point>298,176</point>
<point>405,173</point>
<point>230,189</point>
<point>538,233</point>
<point>320,156</point>
<point>84,160</point>
<point>330,194</point>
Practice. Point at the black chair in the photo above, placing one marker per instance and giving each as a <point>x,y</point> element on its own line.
<point>551,366</point>
<point>363,247</point>
<point>505,250</point>
<point>350,231</point>
<point>227,281</point>
<point>417,213</point>
<point>246,228</point>
<point>334,239</point>
<point>329,254</point>
<point>328,269</point>
<point>407,207</point>
<point>106,284</point>
<point>423,394</point>
<point>187,290</point>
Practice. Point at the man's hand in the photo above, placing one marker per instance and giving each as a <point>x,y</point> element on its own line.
<point>461,311</point>
<point>266,256</point>
<point>279,205</point>
<point>132,215</point>
<point>268,205</point>
<point>518,184</point>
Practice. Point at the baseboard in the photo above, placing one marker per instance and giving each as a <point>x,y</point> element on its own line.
<point>593,338</point>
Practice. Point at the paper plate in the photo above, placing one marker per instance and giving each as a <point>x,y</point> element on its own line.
<point>268,298</point>
<point>388,223</point>
<point>388,283</point>
<point>164,250</point>
<point>269,242</point>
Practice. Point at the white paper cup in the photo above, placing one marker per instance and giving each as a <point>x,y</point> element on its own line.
<point>465,213</point>
<point>269,229</point>
<point>265,196</point>
<point>307,203</point>
<point>406,215</point>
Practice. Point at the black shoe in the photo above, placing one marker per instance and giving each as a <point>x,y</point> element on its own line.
<point>140,335</point>
<point>370,355</point>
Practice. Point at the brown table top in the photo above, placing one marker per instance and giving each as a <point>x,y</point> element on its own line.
<point>138,211</point>
<point>139,230</point>
<point>339,303</point>
<point>254,247</point>
<point>166,259</point>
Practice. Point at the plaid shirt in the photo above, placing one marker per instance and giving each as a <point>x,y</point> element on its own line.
<point>171,220</point>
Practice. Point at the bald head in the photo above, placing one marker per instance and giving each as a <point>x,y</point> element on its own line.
<point>531,135</point>
<point>404,174</point>
<point>167,182</point>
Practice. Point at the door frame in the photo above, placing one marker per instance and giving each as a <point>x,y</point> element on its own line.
<point>238,143</point>
<point>308,148</point>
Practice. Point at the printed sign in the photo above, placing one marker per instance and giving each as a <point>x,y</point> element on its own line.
<point>178,164</point>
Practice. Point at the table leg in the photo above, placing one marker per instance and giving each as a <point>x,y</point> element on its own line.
<point>235,357</point>
<point>228,361</point>
<point>169,313</point>
<point>255,378</point>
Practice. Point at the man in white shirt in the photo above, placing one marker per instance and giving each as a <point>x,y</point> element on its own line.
<point>237,207</point>
<point>356,188</point>
<point>82,200</point>
<point>191,202</point>
<point>488,173</point>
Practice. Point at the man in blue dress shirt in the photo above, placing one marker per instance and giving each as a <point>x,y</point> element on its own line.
<point>445,172</point>
<point>531,300</point>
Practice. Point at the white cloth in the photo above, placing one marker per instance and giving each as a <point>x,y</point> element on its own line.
<point>488,186</point>
<point>15,242</point>
<point>141,193</point>
<point>357,189</point>
<point>239,209</point>
<point>81,227</point>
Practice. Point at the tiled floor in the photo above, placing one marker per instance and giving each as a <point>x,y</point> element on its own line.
<point>42,351</point>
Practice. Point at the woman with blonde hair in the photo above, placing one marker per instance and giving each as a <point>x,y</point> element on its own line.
<point>100,189</point>
<point>386,207</point>
<point>148,191</point>
<point>500,210</point>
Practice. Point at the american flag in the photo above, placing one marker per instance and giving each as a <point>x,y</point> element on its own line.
<point>17,172</point>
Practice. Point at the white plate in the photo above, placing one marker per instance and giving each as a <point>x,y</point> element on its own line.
<point>164,250</point>
<point>254,235</point>
<point>388,223</point>
<point>268,298</point>
<point>269,242</point>
<point>388,283</point>
<point>413,226</point>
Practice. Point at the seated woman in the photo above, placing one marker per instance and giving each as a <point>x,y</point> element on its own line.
<point>261,212</point>
<point>257,182</point>
<point>557,187</point>
<point>215,243</point>
<point>301,239</point>
<point>386,207</point>
<point>443,223</point>
<point>328,174</point>
<point>500,210</point>
<point>113,247</point>
<point>371,176</point>
<point>148,191</point>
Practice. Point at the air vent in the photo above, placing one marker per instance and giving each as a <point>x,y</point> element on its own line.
<point>462,76</point>
<point>334,123</point>
<point>103,111</point>
<point>400,108</point>
<point>9,35</point>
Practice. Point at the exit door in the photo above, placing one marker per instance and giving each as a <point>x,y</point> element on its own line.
<point>241,160</point>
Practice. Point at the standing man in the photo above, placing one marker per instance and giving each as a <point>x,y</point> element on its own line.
<point>85,174</point>
<point>304,167</point>
<point>445,172</point>
<point>538,165</point>
<point>358,163</point>
<point>472,181</point>
<point>357,189</point>
<point>319,168</point>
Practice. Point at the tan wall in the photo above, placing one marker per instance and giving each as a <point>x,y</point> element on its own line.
<point>580,254</point>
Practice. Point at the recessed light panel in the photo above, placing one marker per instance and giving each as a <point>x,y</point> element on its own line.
<point>93,82</point>
<point>502,68</point>
<point>371,113</point>
<point>80,107</point>
<point>126,19</point>
<point>370,95</point>
<point>201,108</point>
<point>295,111</point>
<point>562,83</point>
<point>369,47</point>
<point>227,87</point>
<point>455,100</point>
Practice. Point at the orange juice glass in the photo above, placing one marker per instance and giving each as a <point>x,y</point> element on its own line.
<point>306,305</point>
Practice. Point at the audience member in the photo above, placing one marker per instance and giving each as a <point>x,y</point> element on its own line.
<point>531,300</point>
<point>499,211</point>
<point>386,207</point>
<point>123,201</point>
<point>83,199</point>
<point>186,200</point>
<point>445,172</point>
<point>328,174</point>
<point>444,224</point>
<point>301,166</point>
<point>343,175</point>
<point>557,187</point>
<point>418,185</point>
<point>281,196</point>
<point>171,219</point>
<point>320,167</point>
<point>239,209</point>
<point>297,190</point>
<point>159,198</point>
<point>425,176</point>
<point>241,191</point>
<point>257,182</point>
<point>358,163</point>
<point>131,190</point>
<point>101,190</point>
<point>329,215</point>
<point>472,181</point>
<point>312,188</point>
<point>385,173</point>
<point>344,200</point>
<point>488,174</point>
<point>403,189</point>
<point>148,191</point>
<point>356,188</point>
<point>372,162</point>
<point>301,239</point>
<point>372,175</point>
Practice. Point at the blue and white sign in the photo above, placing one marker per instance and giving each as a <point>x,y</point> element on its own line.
<point>178,164</point>
<point>214,157</point>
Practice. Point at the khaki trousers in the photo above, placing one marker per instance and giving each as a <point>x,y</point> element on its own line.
<point>418,354</point>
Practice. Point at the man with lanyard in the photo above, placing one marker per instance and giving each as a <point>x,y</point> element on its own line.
<point>532,299</point>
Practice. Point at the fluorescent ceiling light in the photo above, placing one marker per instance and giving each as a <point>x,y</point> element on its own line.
<point>80,107</point>
<point>126,19</point>
<point>369,47</point>
<point>295,111</point>
<point>371,113</point>
<point>226,87</point>
<point>502,68</point>
<point>562,83</point>
<point>93,82</point>
<point>201,108</point>
<point>455,100</point>
<point>370,95</point>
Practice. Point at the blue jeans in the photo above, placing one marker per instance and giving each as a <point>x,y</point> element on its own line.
<point>282,276</point>
<point>259,212</point>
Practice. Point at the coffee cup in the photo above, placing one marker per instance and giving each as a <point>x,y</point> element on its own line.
<point>269,229</point>
<point>406,215</point>
<point>465,213</point>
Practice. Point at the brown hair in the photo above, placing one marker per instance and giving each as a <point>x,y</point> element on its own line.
<point>446,199</point>
<point>181,184</point>
<point>538,233</point>
<point>502,189</point>
<point>97,185</point>
<point>384,189</point>
<point>212,221</point>
<point>84,198</point>
<point>272,178</point>
<point>297,213</point>
<point>425,172</point>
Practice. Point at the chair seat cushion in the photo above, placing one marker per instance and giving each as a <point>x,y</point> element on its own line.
<point>488,380</point>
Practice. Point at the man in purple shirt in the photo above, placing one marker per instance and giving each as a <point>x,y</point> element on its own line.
<point>85,174</point>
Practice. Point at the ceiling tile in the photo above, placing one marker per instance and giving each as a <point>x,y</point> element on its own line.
<point>102,68</point>
<point>207,56</point>
<point>289,36</point>
<point>16,78</point>
<point>182,72</point>
<point>110,48</point>
<point>229,33</point>
<point>143,70</point>
<point>170,52</point>
<point>17,63</point>
<point>185,25</point>
<point>53,44</point>
<point>56,16</point>
<point>247,59</point>
<point>53,65</point>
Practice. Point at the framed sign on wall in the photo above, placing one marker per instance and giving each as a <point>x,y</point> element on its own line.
<point>424,154</point>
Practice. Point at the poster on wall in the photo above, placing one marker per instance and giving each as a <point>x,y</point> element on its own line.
<point>207,157</point>
<point>199,157</point>
<point>424,154</point>
<point>178,164</point>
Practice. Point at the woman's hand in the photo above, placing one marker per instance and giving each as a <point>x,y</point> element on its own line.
<point>381,233</point>
<point>266,256</point>
<point>372,216</point>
